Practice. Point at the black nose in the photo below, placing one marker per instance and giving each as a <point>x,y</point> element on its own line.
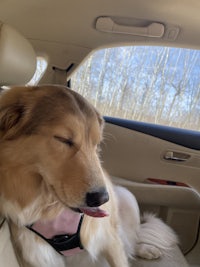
<point>97,197</point>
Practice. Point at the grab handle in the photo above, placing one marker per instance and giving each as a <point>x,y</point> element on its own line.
<point>106,24</point>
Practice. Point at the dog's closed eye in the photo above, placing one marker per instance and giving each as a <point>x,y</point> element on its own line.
<point>67,141</point>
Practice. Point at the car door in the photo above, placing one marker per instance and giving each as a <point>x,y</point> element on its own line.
<point>150,98</point>
<point>161,167</point>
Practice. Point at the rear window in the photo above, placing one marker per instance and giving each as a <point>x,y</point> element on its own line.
<point>151,84</point>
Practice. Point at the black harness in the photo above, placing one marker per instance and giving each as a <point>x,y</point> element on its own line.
<point>63,242</point>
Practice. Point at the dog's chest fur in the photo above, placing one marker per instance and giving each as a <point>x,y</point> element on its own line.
<point>61,232</point>
<point>32,248</point>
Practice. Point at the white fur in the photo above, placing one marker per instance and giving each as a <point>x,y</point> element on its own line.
<point>39,254</point>
<point>149,239</point>
<point>155,237</point>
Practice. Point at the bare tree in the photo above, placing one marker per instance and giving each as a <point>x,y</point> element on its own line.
<point>157,84</point>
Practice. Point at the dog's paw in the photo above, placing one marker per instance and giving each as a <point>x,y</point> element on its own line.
<point>148,252</point>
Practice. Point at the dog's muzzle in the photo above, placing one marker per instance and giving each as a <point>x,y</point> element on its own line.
<point>97,198</point>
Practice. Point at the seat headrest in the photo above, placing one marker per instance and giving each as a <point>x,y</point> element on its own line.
<point>17,57</point>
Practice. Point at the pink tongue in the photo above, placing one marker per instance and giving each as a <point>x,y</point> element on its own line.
<point>94,212</point>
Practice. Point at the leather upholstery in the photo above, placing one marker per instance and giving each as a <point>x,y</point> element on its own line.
<point>17,57</point>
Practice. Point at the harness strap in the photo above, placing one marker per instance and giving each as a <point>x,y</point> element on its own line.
<point>64,242</point>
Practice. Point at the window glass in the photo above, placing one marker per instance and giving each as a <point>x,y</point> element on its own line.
<point>40,70</point>
<point>151,84</point>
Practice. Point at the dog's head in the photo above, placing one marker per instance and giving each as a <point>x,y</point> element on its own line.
<point>49,138</point>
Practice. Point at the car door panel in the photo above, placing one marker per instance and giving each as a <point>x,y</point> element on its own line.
<point>131,157</point>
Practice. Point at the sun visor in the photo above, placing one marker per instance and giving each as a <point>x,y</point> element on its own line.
<point>17,57</point>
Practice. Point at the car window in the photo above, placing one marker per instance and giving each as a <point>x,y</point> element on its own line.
<point>40,70</point>
<point>151,84</point>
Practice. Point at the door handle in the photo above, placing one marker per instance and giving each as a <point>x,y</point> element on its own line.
<point>176,156</point>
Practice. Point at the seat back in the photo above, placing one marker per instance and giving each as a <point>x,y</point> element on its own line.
<point>17,57</point>
<point>17,66</point>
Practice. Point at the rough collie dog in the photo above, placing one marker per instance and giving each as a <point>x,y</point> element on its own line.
<point>60,205</point>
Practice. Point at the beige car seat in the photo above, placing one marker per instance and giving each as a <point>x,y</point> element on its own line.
<point>17,57</point>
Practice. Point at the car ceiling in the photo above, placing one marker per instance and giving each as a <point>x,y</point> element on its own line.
<point>68,27</point>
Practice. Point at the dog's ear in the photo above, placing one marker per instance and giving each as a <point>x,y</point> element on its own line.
<point>11,120</point>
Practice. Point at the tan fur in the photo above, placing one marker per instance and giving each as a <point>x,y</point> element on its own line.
<point>39,174</point>
<point>49,138</point>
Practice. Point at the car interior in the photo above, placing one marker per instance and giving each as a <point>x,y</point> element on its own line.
<point>160,165</point>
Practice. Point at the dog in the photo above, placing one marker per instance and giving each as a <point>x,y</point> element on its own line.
<point>61,207</point>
